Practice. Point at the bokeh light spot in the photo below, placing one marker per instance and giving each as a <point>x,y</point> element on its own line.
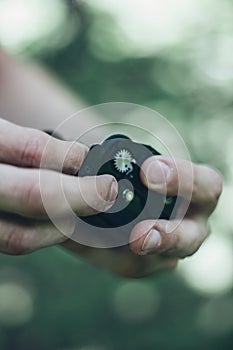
<point>136,302</point>
<point>16,304</point>
<point>23,22</point>
<point>210,270</point>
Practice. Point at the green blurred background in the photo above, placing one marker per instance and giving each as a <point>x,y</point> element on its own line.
<point>177,58</point>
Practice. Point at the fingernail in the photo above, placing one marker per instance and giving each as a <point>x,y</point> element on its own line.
<point>112,194</point>
<point>151,242</point>
<point>158,172</point>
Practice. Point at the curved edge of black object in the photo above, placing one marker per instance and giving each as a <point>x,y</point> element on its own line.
<point>54,134</point>
<point>117,136</point>
<point>100,161</point>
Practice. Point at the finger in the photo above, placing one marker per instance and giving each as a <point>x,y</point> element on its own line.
<point>37,193</point>
<point>180,177</point>
<point>122,261</point>
<point>19,236</point>
<point>32,148</point>
<point>169,238</point>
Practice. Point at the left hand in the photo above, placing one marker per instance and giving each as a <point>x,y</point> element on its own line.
<point>24,222</point>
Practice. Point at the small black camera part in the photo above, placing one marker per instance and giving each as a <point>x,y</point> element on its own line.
<point>122,158</point>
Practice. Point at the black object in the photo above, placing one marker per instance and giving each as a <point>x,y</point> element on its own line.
<point>54,134</point>
<point>119,156</point>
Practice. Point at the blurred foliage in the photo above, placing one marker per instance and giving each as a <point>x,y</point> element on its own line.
<point>75,305</point>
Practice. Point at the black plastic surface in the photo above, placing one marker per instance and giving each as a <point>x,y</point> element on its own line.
<point>146,204</point>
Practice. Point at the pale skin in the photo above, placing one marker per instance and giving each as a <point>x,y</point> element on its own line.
<point>25,226</point>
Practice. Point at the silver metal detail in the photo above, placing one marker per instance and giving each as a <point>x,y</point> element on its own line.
<point>128,195</point>
<point>123,161</point>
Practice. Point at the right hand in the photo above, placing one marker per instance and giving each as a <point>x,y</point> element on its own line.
<point>24,223</point>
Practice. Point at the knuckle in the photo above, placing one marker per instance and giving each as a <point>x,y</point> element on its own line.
<point>196,241</point>
<point>217,188</point>
<point>75,158</point>
<point>213,185</point>
<point>33,149</point>
<point>32,197</point>
<point>18,241</point>
<point>192,249</point>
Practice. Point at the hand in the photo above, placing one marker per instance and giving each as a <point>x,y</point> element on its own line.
<point>157,245</point>
<point>24,223</point>
<point>171,240</point>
